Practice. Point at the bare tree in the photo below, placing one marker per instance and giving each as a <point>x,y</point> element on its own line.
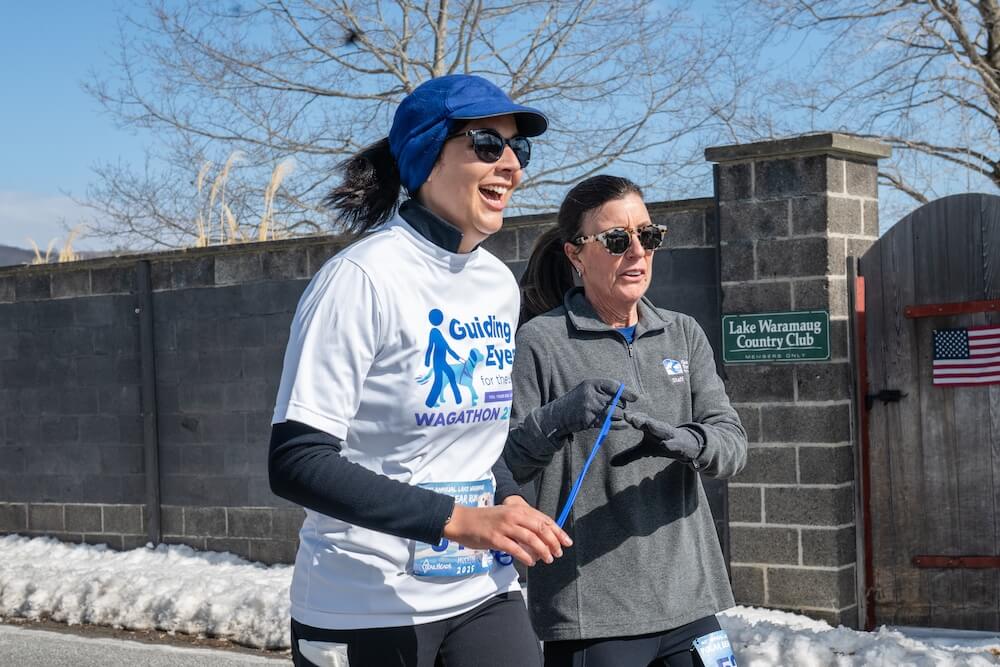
<point>921,75</point>
<point>629,85</point>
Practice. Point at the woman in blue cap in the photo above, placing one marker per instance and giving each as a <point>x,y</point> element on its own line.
<point>395,397</point>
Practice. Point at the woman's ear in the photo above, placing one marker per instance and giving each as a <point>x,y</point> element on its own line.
<point>573,253</point>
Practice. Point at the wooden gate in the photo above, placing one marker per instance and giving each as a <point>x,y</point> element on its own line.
<point>930,473</point>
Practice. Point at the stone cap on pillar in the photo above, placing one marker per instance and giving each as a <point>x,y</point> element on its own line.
<point>824,143</point>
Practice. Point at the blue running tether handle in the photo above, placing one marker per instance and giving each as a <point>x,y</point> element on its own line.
<point>597,445</point>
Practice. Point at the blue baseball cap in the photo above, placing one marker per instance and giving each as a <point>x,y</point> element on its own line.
<point>426,116</point>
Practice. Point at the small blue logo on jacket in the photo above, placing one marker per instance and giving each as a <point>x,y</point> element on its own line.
<point>676,369</point>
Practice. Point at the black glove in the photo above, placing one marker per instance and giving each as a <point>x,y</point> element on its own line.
<point>583,407</point>
<point>660,439</point>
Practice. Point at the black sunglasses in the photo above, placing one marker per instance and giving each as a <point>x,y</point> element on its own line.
<point>617,239</point>
<point>489,145</point>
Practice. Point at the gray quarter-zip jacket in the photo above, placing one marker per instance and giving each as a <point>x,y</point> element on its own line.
<point>645,556</point>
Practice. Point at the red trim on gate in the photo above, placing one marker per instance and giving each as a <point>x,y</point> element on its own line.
<point>861,358</point>
<point>958,308</point>
<point>958,562</point>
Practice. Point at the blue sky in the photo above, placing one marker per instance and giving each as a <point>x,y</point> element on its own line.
<point>51,131</point>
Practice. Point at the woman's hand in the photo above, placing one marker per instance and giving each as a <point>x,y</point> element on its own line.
<point>659,439</point>
<point>515,527</point>
<point>582,407</point>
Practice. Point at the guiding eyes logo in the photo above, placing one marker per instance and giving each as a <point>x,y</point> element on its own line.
<point>454,378</point>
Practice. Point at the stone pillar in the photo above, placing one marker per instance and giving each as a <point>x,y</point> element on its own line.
<point>791,211</point>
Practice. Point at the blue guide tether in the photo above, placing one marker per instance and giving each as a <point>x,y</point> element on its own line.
<point>597,445</point>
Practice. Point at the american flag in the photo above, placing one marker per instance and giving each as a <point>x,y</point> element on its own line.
<point>964,357</point>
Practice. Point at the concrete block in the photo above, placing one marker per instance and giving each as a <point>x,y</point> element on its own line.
<point>827,589</point>
<point>285,263</point>
<point>250,522</point>
<point>7,291</point>
<point>826,465</point>
<point>735,181</point>
<point>748,585</point>
<point>685,229</point>
<point>122,460</point>
<point>832,547</point>
<point>756,297</point>
<point>793,176</point>
<point>503,244</point>
<point>319,253</point>
<point>113,280</point>
<point>239,547</point>
<point>193,272</point>
<point>749,417</point>
<point>70,283</point>
<point>203,460</point>
<point>806,423</point>
<point>760,383</point>
<point>812,506</point>
<point>111,541</point>
<point>205,521</point>
<point>46,517</point>
<point>823,381</point>
<point>98,311</point>
<point>272,552</point>
<point>769,465</point>
<point>862,179</point>
<point>13,517</point>
<point>61,430</point>
<point>190,540</point>
<point>286,522</point>
<point>858,247</point>
<point>171,520</point>
<point>745,504</point>
<point>32,285</point>
<point>130,430</point>
<point>870,225</point>
<point>828,294</point>
<point>737,261</point>
<point>800,257</point>
<point>764,545</point>
<point>268,297</point>
<point>747,221</point>
<point>84,518</point>
<point>838,339</point>
<point>205,491</point>
<point>118,399</point>
<point>132,542</point>
<point>122,519</point>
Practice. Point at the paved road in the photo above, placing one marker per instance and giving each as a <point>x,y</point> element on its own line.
<point>27,647</point>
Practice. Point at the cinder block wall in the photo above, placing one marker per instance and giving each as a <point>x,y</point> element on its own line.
<point>790,212</point>
<point>72,460</point>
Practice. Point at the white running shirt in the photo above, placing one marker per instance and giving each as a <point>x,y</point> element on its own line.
<point>403,350</point>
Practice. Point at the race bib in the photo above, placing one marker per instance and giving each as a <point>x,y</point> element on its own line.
<point>714,650</point>
<point>449,559</point>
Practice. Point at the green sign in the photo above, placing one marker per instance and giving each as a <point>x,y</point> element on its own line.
<point>762,337</point>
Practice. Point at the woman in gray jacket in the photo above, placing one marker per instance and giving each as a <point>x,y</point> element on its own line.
<point>645,577</point>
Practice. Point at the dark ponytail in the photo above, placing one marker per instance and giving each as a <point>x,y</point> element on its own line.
<point>547,277</point>
<point>368,195</point>
<point>549,273</point>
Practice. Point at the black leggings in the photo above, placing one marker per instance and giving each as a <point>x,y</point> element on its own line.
<point>659,649</point>
<point>497,633</point>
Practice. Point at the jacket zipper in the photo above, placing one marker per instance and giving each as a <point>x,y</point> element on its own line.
<point>635,366</point>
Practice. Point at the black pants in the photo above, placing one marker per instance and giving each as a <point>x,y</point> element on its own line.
<point>497,633</point>
<point>659,649</point>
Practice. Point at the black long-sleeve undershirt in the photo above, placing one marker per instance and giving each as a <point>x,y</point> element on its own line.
<point>305,466</point>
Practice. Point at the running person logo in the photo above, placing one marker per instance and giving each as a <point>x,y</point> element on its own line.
<point>447,375</point>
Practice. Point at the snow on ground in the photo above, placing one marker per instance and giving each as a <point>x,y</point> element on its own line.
<point>178,589</point>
